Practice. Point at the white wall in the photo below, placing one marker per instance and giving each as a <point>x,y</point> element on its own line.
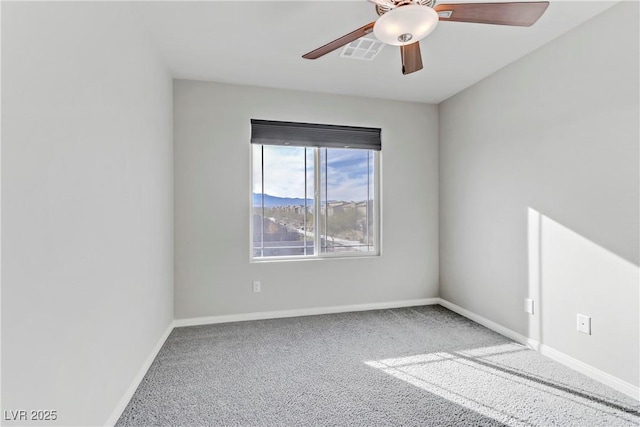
<point>86,207</point>
<point>539,193</point>
<point>213,274</point>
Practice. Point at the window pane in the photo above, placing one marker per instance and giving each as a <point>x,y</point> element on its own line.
<point>347,202</point>
<point>282,201</point>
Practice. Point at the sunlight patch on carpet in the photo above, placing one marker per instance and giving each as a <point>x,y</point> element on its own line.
<point>493,382</point>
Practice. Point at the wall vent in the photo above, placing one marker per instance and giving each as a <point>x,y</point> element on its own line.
<point>364,48</point>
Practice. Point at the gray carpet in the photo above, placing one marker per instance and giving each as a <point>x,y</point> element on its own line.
<point>419,366</point>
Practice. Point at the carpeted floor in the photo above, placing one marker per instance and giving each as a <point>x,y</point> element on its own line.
<point>419,366</point>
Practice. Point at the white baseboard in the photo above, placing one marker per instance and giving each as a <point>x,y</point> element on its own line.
<point>491,325</point>
<point>591,372</point>
<point>575,364</point>
<point>209,320</point>
<point>124,401</point>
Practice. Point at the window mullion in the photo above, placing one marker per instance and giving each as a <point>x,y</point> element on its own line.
<point>316,201</point>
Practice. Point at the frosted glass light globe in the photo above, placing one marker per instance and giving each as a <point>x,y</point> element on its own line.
<point>405,24</point>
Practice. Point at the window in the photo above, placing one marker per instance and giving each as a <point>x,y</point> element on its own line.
<point>315,190</point>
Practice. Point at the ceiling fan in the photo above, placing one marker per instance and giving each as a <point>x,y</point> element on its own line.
<point>405,22</point>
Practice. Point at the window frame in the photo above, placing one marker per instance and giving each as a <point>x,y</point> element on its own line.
<point>318,254</point>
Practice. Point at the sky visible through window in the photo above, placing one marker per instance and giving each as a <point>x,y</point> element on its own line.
<point>284,168</point>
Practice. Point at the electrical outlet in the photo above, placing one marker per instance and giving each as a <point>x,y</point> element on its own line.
<point>257,287</point>
<point>528,305</point>
<point>584,324</point>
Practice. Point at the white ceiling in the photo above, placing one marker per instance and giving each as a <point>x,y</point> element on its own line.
<point>261,42</point>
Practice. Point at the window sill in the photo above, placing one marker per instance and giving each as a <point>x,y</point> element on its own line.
<point>309,258</point>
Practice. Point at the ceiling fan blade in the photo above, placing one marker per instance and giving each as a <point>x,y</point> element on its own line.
<point>411,58</point>
<point>338,43</point>
<point>518,14</point>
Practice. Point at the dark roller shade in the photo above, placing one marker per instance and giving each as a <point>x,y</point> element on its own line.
<point>270,132</point>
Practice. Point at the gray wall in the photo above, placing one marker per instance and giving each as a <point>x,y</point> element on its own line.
<point>86,207</point>
<point>213,274</point>
<point>539,193</point>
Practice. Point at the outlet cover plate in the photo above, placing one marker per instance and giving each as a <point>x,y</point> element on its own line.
<point>584,324</point>
<point>257,286</point>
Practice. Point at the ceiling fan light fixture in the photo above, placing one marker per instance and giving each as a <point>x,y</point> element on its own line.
<point>406,24</point>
